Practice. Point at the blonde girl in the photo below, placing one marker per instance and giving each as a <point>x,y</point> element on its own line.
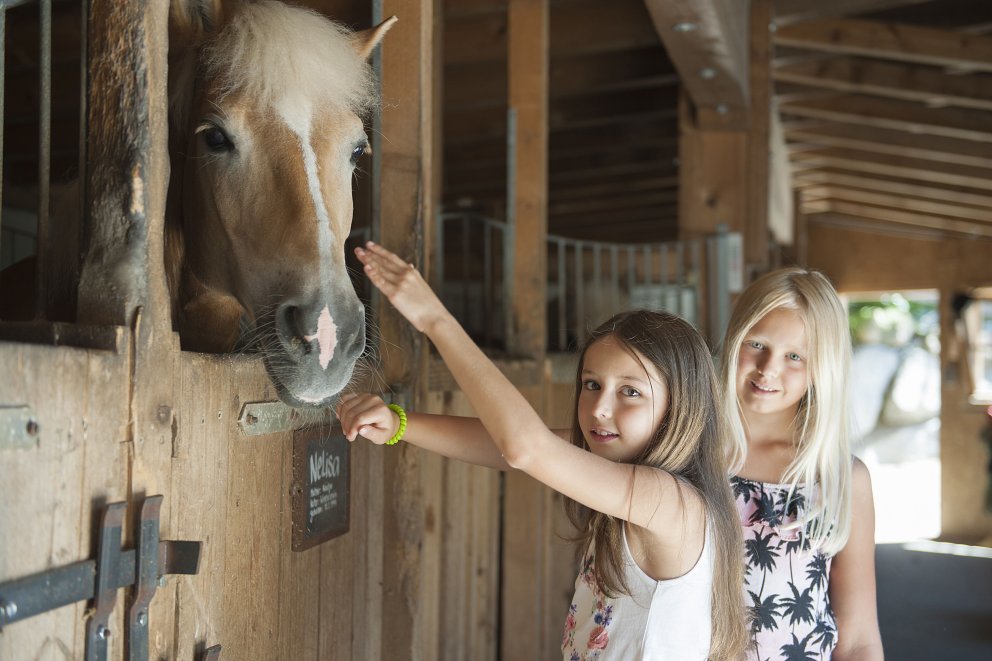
<point>643,468</point>
<point>804,502</point>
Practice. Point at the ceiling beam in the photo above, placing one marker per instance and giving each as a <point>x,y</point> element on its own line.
<point>864,110</point>
<point>910,168</point>
<point>896,143</point>
<point>897,216</point>
<point>791,11</point>
<point>904,43</point>
<point>893,185</point>
<point>891,79</point>
<point>916,204</point>
<point>707,41</point>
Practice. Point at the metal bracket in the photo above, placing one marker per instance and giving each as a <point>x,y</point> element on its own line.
<point>211,653</point>
<point>258,418</point>
<point>100,579</point>
<point>18,428</point>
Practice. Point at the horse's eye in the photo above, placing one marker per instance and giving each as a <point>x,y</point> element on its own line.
<point>216,140</point>
<point>358,152</point>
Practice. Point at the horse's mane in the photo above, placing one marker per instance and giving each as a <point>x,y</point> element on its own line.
<point>273,52</point>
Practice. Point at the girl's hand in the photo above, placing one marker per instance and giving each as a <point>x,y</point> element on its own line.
<point>402,284</point>
<point>367,415</point>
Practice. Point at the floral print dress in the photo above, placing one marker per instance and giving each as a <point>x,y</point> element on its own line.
<point>786,581</point>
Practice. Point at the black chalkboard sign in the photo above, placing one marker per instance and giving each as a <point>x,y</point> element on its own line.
<point>321,487</point>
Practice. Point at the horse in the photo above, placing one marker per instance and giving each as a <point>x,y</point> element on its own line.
<point>265,129</point>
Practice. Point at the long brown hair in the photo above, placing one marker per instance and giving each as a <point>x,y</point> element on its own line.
<point>690,444</point>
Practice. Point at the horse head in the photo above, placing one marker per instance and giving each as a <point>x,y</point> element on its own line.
<point>266,104</point>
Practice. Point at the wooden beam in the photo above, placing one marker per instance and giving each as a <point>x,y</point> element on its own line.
<point>949,225</point>
<point>791,11</point>
<point>911,168</point>
<point>904,43</point>
<point>916,203</point>
<point>892,79</point>
<point>896,143</point>
<point>866,110</point>
<point>581,26</point>
<point>707,41</point>
<point>893,185</point>
<point>409,599</point>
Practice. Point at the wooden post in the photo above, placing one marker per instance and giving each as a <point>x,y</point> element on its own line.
<point>527,504</point>
<point>759,169</point>
<point>528,181</point>
<point>405,203</point>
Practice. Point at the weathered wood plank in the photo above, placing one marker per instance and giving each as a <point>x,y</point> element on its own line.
<point>894,142</point>
<point>891,79</point>
<point>791,11</point>
<point>864,110</point>
<point>882,164</point>
<point>914,203</point>
<point>57,488</point>
<point>904,43</point>
<point>894,185</point>
<point>897,216</point>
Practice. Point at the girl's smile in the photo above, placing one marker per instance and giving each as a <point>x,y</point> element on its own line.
<point>622,401</point>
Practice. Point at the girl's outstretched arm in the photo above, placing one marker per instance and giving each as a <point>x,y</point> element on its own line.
<point>647,497</point>
<point>852,578</point>
<point>455,437</point>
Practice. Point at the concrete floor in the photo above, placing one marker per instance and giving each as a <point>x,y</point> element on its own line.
<point>934,606</point>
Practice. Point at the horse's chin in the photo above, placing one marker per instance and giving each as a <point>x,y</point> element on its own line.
<point>307,386</point>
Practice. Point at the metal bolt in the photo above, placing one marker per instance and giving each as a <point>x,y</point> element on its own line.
<point>142,618</point>
<point>251,419</point>
<point>7,610</point>
<point>102,632</point>
<point>684,26</point>
<point>707,73</point>
<point>32,427</point>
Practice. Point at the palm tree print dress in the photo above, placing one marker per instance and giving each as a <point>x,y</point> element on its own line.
<point>786,581</point>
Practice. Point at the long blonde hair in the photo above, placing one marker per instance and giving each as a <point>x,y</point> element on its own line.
<point>690,445</point>
<point>822,464</point>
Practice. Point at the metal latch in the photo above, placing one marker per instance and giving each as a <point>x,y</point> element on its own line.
<point>99,580</point>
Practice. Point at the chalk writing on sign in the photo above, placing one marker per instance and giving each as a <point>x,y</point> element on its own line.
<point>321,504</point>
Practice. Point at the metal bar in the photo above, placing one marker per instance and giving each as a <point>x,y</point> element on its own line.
<point>631,269</point>
<point>510,234</point>
<point>615,276</point>
<point>487,280</point>
<point>146,580</point>
<point>438,269</point>
<point>26,597</point>
<point>648,266</point>
<point>679,275</point>
<point>107,568</point>
<point>580,308</point>
<point>697,261</point>
<point>43,265</point>
<point>466,276</point>
<point>562,298</point>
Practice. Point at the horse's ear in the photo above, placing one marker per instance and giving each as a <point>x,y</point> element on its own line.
<point>194,19</point>
<point>366,40</point>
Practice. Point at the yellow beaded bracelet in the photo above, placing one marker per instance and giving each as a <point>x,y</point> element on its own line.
<point>398,436</point>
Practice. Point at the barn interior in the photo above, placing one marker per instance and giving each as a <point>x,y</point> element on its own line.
<point>545,163</point>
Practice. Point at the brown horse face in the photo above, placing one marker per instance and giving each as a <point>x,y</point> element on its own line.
<point>270,192</point>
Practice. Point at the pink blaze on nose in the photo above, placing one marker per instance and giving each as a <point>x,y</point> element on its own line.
<point>326,336</point>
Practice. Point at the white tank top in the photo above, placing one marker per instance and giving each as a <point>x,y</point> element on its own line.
<point>659,621</point>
